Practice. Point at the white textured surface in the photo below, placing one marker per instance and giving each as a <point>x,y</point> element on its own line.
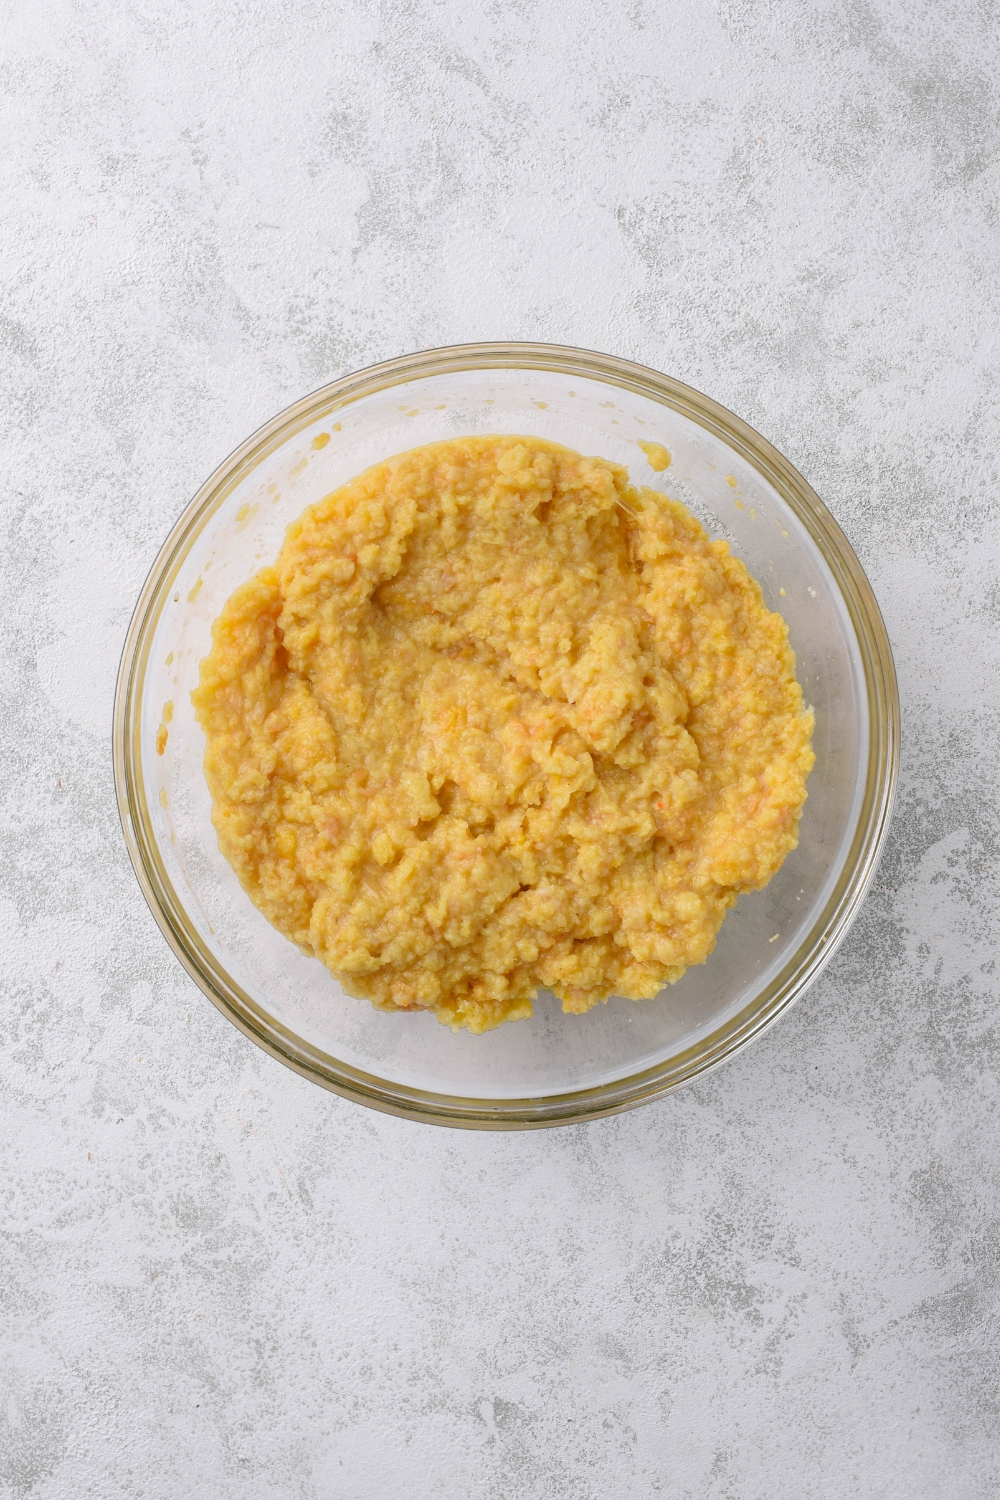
<point>217,1280</point>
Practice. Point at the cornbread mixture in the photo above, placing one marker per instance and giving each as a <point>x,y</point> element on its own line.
<point>498,719</point>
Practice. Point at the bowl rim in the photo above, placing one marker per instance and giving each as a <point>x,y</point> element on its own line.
<point>813,952</point>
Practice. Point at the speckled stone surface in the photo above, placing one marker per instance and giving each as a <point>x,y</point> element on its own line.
<point>218,1281</point>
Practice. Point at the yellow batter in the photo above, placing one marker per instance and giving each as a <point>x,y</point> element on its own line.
<point>497,719</point>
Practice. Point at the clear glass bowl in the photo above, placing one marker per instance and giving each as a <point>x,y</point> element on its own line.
<point>552,1069</point>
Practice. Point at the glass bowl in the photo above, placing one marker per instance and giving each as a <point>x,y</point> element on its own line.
<point>553,1068</point>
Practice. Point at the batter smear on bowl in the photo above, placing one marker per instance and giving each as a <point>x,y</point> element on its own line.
<point>497,719</point>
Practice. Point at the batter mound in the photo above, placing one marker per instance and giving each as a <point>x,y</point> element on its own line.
<point>497,719</point>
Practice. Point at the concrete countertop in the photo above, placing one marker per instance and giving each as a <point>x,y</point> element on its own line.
<point>218,1281</point>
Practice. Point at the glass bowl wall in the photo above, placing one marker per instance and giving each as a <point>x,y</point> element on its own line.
<point>553,1068</point>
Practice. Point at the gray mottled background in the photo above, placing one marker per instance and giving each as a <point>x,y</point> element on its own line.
<point>218,1281</point>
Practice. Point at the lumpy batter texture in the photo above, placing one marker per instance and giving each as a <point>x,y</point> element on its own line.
<point>497,719</point>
